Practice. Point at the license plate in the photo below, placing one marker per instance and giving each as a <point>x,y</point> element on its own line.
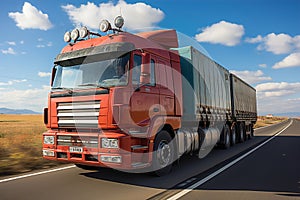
<point>76,149</point>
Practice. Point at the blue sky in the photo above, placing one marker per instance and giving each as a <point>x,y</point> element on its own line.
<point>259,40</point>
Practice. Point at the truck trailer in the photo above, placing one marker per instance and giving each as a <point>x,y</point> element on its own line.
<point>138,102</point>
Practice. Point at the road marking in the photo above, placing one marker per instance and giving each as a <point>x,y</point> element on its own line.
<point>202,181</point>
<point>36,174</point>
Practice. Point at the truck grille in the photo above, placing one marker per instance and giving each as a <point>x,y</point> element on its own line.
<point>78,114</point>
<point>67,140</point>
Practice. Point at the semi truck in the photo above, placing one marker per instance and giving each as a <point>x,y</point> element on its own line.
<point>138,102</point>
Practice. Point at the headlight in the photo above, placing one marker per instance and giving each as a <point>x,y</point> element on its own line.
<point>49,153</point>
<point>48,139</point>
<point>109,143</point>
<point>112,159</point>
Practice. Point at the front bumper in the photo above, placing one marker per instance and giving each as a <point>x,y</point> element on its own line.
<point>85,149</point>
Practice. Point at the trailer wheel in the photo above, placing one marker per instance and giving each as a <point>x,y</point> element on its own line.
<point>226,134</point>
<point>241,132</point>
<point>163,154</point>
<point>251,132</point>
<point>233,135</point>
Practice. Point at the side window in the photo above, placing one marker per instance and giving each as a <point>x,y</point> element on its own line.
<point>152,73</point>
<point>136,71</point>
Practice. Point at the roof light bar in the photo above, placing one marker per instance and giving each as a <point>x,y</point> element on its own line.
<point>83,32</point>
<point>104,25</point>
<point>67,36</point>
<point>119,22</point>
<point>75,34</point>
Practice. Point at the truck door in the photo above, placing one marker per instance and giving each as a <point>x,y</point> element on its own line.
<point>144,102</point>
<point>166,87</point>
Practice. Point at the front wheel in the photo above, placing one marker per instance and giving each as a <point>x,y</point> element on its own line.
<point>163,154</point>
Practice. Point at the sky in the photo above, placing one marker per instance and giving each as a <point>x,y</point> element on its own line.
<point>258,40</point>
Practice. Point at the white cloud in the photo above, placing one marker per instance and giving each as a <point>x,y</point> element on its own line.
<point>12,43</point>
<point>296,41</point>
<point>22,42</point>
<point>33,99</point>
<point>9,51</point>
<point>265,105</point>
<point>252,77</point>
<point>263,65</point>
<point>44,74</point>
<point>12,82</point>
<point>279,94</point>
<point>292,60</point>
<point>49,44</point>
<point>40,46</point>
<point>31,18</point>
<point>225,33</point>
<point>137,15</point>
<point>254,40</point>
<point>277,44</point>
<point>277,87</point>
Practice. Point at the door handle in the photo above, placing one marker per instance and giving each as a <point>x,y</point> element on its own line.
<point>155,109</point>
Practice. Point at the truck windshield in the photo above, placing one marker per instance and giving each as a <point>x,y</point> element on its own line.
<point>104,73</point>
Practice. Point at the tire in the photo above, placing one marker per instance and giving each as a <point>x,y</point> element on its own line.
<point>226,135</point>
<point>233,135</point>
<point>163,154</point>
<point>251,135</point>
<point>241,132</point>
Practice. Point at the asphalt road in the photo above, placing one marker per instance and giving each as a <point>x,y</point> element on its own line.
<point>271,172</point>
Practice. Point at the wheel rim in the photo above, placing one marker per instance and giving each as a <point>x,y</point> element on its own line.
<point>164,153</point>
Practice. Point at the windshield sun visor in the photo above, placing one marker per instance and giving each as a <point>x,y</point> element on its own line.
<point>103,52</point>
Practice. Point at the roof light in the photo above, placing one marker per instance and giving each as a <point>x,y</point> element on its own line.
<point>104,25</point>
<point>75,34</point>
<point>119,21</point>
<point>83,32</point>
<point>67,37</point>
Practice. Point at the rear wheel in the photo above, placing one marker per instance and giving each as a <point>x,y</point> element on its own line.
<point>233,135</point>
<point>226,135</point>
<point>163,154</point>
<point>241,132</point>
<point>251,132</point>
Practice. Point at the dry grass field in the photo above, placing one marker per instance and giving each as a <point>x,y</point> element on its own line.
<point>21,144</point>
<point>264,121</point>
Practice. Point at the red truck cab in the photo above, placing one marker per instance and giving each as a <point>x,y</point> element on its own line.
<point>110,96</point>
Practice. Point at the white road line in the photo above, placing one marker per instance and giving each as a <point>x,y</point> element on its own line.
<point>202,181</point>
<point>36,174</point>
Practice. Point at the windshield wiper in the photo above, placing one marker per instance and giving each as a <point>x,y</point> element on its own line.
<point>94,84</point>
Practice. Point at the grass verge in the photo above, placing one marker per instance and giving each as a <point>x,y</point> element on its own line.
<point>21,144</point>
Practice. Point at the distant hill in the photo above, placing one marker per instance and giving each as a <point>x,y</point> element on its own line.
<point>17,111</point>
